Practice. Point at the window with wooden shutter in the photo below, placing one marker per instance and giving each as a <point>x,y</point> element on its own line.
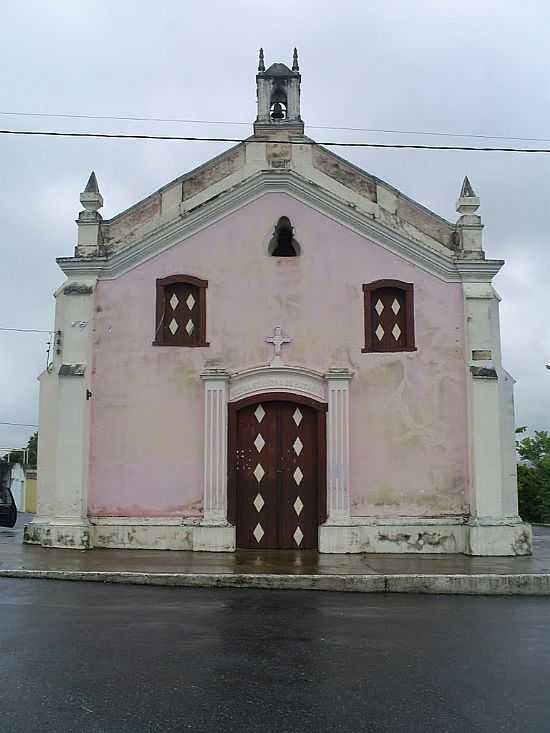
<point>181,311</point>
<point>389,316</point>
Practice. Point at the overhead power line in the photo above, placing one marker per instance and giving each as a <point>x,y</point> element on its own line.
<point>25,330</point>
<point>181,138</point>
<point>19,424</point>
<point>179,120</point>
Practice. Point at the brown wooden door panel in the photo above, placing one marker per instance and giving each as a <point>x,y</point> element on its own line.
<point>277,476</point>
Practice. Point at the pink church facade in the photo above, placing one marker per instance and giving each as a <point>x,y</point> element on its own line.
<point>175,418</point>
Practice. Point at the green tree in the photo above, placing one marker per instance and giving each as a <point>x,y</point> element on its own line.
<point>534,476</point>
<point>27,457</point>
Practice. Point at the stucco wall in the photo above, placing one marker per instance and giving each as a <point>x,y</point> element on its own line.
<point>408,411</point>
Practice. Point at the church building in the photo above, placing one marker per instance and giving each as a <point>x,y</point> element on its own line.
<point>278,350</point>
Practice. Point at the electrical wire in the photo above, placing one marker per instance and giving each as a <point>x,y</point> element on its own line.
<point>395,146</point>
<point>26,330</point>
<point>19,424</point>
<point>312,127</point>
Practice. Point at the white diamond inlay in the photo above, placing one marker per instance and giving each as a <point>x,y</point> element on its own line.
<point>190,301</point>
<point>173,326</point>
<point>259,472</point>
<point>259,442</point>
<point>396,331</point>
<point>298,536</point>
<point>379,332</point>
<point>297,417</point>
<point>298,506</point>
<point>258,532</point>
<point>298,446</point>
<point>379,307</point>
<point>259,502</point>
<point>259,413</point>
<point>298,475</point>
<point>174,301</point>
<point>395,306</point>
<point>190,327</point>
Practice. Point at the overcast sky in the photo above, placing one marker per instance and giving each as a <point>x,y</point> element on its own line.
<point>469,67</point>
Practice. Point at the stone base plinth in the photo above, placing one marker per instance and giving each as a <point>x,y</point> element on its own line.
<point>493,540</point>
<point>499,538</point>
<point>65,535</point>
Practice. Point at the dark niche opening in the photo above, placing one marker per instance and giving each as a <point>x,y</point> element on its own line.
<point>283,243</point>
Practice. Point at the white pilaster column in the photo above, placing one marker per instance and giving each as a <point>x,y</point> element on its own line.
<point>215,444</point>
<point>214,533</point>
<point>338,469</point>
<point>65,423</point>
<point>492,530</point>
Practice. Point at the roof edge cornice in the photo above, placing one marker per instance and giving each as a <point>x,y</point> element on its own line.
<point>445,267</point>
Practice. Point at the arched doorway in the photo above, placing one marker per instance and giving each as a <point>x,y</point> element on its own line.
<point>277,471</point>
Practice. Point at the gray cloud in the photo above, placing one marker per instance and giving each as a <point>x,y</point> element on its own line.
<point>471,66</point>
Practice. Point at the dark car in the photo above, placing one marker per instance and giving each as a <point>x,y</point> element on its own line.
<point>8,510</point>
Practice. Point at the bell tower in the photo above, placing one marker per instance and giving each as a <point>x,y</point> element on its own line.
<point>278,96</point>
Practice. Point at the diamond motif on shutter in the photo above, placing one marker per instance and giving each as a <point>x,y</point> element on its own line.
<point>258,532</point>
<point>379,332</point>
<point>396,331</point>
<point>173,327</point>
<point>259,502</point>
<point>259,442</point>
<point>298,476</point>
<point>298,506</point>
<point>379,307</point>
<point>395,306</point>
<point>297,417</point>
<point>190,301</point>
<point>298,536</point>
<point>190,327</point>
<point>298,446</point>
<point>259,472</point>
<point>259,413</point>
<point>174,301</point>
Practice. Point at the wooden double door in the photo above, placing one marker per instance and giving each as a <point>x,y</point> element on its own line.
<point>278,475</point>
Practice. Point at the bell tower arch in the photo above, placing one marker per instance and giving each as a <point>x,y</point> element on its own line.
<point>278,98</point>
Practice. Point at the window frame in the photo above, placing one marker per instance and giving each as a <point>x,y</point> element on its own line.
<point>160,312</point>
<point>369,291</point>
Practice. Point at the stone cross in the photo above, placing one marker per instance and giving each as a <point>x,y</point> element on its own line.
<point>277,340</point>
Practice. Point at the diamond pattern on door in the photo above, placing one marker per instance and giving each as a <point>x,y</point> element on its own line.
<point>174,301</point>
<point>259,472</point>
<point>298,536</point>
<point>298,506</point>
<point>297,417</point>
<point>259,502</point>
<point>173,326</point>
<point>275,493</point>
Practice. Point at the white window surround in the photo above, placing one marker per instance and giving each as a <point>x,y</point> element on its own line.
<point>222,387</point>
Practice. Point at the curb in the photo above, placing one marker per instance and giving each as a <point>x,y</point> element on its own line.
<point>533,584</point>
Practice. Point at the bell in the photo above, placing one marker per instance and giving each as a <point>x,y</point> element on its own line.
<point>278,113</point>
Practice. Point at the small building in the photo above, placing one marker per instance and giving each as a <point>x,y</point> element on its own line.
<point>278,350</point>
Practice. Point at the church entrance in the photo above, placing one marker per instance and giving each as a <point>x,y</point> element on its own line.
<point>277,487</point>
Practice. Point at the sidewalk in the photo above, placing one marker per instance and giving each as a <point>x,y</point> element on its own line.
<point>285,569</point>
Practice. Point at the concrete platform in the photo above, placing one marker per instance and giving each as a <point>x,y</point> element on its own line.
<point>455,574</point>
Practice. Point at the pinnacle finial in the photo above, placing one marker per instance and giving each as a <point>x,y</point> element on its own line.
<point>467,191</point>
<point>261,65</point>
<point>91,198</point>
<point>468,201</point>
<point>295,66</point>
<point>91,186</point>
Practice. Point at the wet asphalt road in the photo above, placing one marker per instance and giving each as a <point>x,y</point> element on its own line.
<point>91,657</point>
